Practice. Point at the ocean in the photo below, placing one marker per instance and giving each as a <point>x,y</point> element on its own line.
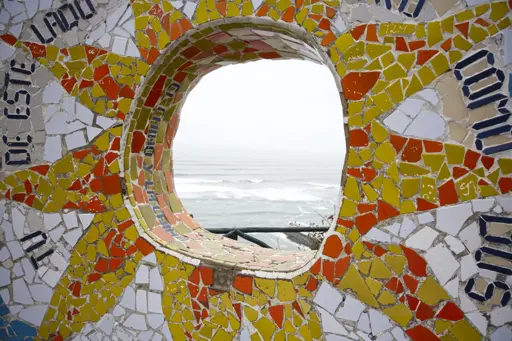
<point>247,188</point>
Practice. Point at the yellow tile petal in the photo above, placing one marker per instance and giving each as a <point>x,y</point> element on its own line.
<point>265,327</point>
<point>364,266</point>
<point>386,298</point>
<point>467,187</point>
<point>461,43</point>
<point>358,249</point>
<point>431,292</point>
<point>250,313</point>
<point>447,24</point>
<point>455,154</point>
<point>409,187</point>
<point>352,189</point>
<point>344,42</point>
<point>396,263</point>
<point>374,285</point>
<point>379,132</point>
<point>285,291</point>
<point>409,169</point>
<point>505,165</point>
<point>426,75</point>
<point>428,189</point>
<point>348,208</point>
<point>353,159</point>
<point>375,50</point>
<point>464,331</point>
<point>390,193</point>
<point>353,280</point>
<point>395,71</point>
<point>413,87</point>
<point>407,206</point>
<point>379,269</point>
<point>268,286</point>
<point>441,325</point>
<point>392,171</point>
<point>407,59</point>
<point>434,34</point>
<point>444,173</point>
<point>370,193</point>
<point>386,152</point>
<point>399,313</point>
<point>433,161</point>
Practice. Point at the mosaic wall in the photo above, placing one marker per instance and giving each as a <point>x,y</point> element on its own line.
<point>96,245</point>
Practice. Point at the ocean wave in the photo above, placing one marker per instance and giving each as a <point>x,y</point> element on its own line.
<point>216,181</point>
<point>320,185</point>
<point>201,191</point>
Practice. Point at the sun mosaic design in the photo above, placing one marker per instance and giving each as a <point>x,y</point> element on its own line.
<point>96,245</point>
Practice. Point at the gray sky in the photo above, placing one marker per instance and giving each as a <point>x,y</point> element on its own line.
<point>289,105</point>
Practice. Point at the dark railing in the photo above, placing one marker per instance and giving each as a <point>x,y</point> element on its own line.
<point>235,232</point>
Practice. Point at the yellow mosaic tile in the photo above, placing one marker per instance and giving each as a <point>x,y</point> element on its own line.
<point>463,330</point>
<point>399,313</point>
<point>379,270</point>
<point>353,280</point>
<point>431,292</point>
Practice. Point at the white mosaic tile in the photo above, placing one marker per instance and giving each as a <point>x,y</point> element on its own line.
<point>155,303</point>
<point>378,235</point>
<point>479,321</point>
<point>5,278</point>
<point>142,275</point>
<point>53,148</point>
<point>452,287</point>
<point>467,267</point>
<point>422,239</point>
<point>155,320</point>
<point>106,324</point>
<point>379,322</point>
<point>333,337</point>
<point>505,202</point>
<point>136,321</point>
<point>21,292</point>
<point>502,333</point>
<point>454,244</point>
<point>41,292</point>
<point>330,324</point>
<point>482,205</point>
<point>407,227</point>
<point>141,299</point>
<point>364,323</point>
<point>399,334</point>
<point>385,337</point>
<point>470,236</point>
<point>442,262</point>
<point>328,298</point>
<point>429,95</point>
<point>425,218</point>
<point>501,315</point>
<point>33,314</point>
<point>466,305</point>
<point>451,218</point>
<point>427,124</point>
<point>393,228</point>
<point>351,309</point>
<point>128,299</point>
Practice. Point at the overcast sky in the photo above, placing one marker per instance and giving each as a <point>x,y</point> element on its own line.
<point>289,105</point>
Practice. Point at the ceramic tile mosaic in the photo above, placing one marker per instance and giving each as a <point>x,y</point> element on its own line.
<point>96,245</point>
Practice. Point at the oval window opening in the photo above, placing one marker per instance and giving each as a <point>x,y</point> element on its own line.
<point>262,144</point>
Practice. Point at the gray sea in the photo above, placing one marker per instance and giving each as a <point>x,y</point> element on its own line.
<point>254,188</point>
